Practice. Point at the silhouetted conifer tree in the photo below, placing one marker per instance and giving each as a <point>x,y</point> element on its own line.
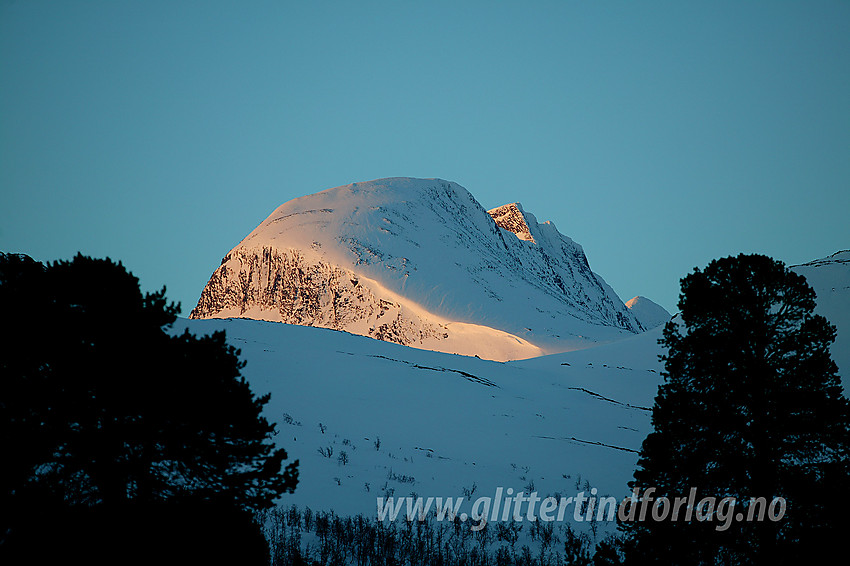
<point>100,406</point>
<point>751,406</point>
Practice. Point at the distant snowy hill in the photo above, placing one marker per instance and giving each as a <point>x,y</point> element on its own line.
<point>648,313</point>
<point>830,278</point>
<point>419,262</point>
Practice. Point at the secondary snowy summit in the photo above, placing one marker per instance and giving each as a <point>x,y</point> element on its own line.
<point>648,313</point>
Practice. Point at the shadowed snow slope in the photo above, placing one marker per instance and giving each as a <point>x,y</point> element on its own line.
<point>434,424</point>
<point>419,262</point>
<point>830,278</point>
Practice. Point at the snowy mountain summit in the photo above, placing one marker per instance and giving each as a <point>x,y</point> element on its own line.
<point>421,263</point>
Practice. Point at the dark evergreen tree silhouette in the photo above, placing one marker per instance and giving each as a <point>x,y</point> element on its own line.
<point>751,406</point>
<point>101,406</point>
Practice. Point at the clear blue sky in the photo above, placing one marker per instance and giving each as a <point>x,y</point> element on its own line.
<point>659,135</point>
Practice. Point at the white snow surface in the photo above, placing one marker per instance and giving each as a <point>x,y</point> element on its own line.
<point>648,313</point>
<point>421,263</point>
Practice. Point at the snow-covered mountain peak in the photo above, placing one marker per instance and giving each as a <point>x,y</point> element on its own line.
<point>371,211</point>
<point>419,262</point>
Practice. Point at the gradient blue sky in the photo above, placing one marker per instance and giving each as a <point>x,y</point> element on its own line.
<point>659,135</point>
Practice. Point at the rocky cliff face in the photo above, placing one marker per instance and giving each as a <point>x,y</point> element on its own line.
<point>510,217</point>
<point>419,262</point>
<point>281,285</point>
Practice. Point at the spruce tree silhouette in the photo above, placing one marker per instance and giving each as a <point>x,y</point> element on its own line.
<point>102,408</point>
<point>751,406</point>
